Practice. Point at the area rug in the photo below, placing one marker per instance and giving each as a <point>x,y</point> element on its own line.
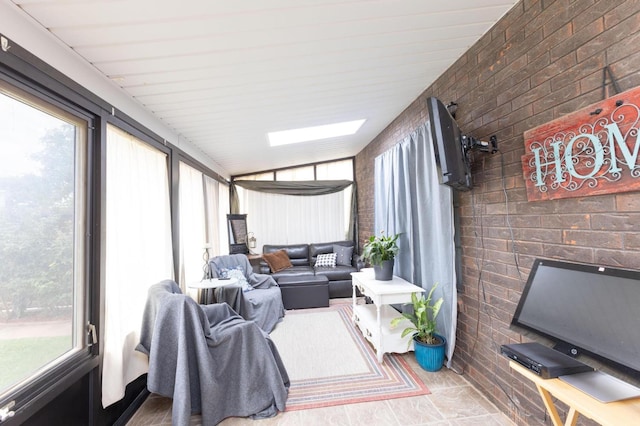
<point>330,363</point>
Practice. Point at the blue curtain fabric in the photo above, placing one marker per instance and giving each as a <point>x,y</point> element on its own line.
<point>409,200</point>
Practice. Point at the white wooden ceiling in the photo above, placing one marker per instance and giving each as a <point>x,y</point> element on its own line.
<point>222,74</point>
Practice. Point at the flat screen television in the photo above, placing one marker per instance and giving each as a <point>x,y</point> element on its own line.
<point>585,308</point>
<point>449,147</point>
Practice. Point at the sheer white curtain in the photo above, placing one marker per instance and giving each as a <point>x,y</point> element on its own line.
<point>217,207</point>
<point>291,219</point>
<point>138,252</point>
<point>410,200</point>
<point>193,236</point>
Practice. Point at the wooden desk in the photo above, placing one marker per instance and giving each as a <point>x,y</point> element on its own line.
<point>613,413</point>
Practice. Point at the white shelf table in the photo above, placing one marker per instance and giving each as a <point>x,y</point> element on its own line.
<point>374,320</point>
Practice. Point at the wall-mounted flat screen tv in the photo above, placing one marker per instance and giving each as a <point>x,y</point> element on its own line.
<point>589,308</point>
<point>448,144</point>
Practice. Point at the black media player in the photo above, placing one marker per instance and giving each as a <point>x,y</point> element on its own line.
<point>543,360</point>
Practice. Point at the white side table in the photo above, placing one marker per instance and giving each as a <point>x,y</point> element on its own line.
<point>374,320</point>
<point>211,284</point>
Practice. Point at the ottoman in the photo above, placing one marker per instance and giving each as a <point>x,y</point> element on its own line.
<point>304,291</point>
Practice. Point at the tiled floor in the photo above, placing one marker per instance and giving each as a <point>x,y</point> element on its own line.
<point>452,402</point>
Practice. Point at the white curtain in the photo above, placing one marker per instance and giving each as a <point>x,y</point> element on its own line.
<point>409,200</point>
<point>193,236</point>
<point>217,207</point>
<point>138,252</point>
<point>291,219</point>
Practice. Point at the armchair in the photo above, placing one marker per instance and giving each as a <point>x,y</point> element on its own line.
<point>209,360</point>
<point>256,297</point>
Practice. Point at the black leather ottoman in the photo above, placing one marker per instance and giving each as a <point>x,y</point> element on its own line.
<point>304,291</point>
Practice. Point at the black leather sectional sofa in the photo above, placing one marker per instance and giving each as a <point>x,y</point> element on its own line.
<point>303,259</point>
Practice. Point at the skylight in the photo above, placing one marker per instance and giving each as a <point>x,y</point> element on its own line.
<point>315,133</point>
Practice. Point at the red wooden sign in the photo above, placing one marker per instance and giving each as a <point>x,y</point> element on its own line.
<point>589,152</point>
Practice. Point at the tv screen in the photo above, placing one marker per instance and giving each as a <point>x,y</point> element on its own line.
<point>591,308</point>
<point>448,145</point>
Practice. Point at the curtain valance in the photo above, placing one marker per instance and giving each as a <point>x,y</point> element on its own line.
<point>303,187</point>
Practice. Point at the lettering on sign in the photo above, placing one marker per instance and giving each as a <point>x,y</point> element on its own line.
<point>593,151</point>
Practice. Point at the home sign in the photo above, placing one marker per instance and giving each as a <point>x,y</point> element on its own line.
<point>593,151</point>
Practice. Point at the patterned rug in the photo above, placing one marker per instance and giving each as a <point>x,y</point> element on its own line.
<point>330,363</point>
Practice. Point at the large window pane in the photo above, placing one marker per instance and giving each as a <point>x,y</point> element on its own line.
<point>297,173</point>
<point>42,181</point>
<point>259,176</point>
<point>335,170</point>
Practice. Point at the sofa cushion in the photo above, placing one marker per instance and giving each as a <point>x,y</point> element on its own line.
<point>344,254</point>
<point>337,273</point>
<point>294,271</point>
<point>327,260</point>
<point>277,260</point>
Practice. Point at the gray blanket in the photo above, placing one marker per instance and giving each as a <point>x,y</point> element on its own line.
<point>263,304</point>
<point>209,360</point>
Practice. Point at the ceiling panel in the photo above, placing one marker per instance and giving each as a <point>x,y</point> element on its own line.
<point>222,74</point>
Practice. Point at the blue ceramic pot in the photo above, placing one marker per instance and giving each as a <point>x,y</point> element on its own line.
<point>430,357</point>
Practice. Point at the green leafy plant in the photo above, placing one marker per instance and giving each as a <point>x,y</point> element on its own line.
<point>380,248</point>
<point>423,317</point>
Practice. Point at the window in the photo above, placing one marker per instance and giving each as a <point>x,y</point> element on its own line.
<point>284,219</point>
<point>43,174</point>
<point>259,176</point>
<point>193,235</point>
<point>327,170</point>
<point>138,252</point>
<point>297,173</point>
<point>342,169</point>
<point>204,203</point>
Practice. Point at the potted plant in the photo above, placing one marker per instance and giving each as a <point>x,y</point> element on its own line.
<point>380,251</point>
<point>428,345</point>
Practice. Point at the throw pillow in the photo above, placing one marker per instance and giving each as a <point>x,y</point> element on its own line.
<point>278,260</point>
<point>327,260</point>
<point>238,274</point>
<point>344,255</point>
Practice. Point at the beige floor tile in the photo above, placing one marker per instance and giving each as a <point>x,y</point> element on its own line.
<point>486,420</point>
<point>326,416</point>
<point>444,378</point>
<point>461,401</point>
<point>374,413</point>
<point>415,410</point>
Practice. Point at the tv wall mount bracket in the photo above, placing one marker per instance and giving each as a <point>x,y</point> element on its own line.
<point>469,143</point>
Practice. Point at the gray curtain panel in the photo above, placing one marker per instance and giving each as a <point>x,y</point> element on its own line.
<point>409,200</point>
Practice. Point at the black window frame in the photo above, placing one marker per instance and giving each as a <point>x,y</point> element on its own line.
<point>17,69</point>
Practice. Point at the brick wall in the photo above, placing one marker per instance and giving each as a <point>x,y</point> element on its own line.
<point>542,60</point>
